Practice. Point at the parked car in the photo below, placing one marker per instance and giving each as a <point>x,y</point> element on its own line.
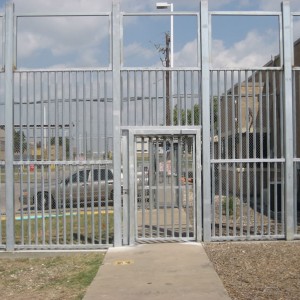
<point>83,186</point>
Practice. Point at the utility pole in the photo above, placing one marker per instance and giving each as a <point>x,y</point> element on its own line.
<point>167,58</point>
<point>166,63</point>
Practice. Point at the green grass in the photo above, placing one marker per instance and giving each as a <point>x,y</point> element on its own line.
<point>72,229</point>
<point>228,203</point>
<point>57,277</point>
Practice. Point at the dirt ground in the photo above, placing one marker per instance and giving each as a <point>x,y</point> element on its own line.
<point>56,277</point>
<point>249,270</point>
<point>258,270</point>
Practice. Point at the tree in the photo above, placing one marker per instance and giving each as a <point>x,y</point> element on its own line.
<point>214,117</point>
<point>60,143</point>
<point>193,116</point>
<point>19,142</point>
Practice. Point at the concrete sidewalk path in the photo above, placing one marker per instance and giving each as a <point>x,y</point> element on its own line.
<point>157,271</point>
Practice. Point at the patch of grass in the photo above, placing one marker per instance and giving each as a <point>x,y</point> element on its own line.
<point>57,277</point>
<point>77,228</point>
<point>85,277</point>
<point>227,204</point>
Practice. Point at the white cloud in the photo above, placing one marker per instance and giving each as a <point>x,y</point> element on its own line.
<point>29,43</point>
<point>187,56</point>
<point>137,50</point>
<point>254,51</point>
<point>276,5</point>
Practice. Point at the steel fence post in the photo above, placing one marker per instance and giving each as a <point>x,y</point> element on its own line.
<point>288,121</point>
<point>9,129</point>
<point>205,84</point>
<point>116,65</point>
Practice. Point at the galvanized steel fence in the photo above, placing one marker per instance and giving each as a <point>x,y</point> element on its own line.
<point>67,181</point>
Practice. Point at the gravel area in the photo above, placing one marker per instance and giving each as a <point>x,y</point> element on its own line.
<point>258,270</point>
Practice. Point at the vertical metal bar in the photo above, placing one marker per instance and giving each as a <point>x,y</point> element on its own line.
<point>49,154</point>
<point>198,186</point>
<point>125,187</point>
<point>171,98</point>
<point>71,157</point>
<point>150,184</point>
<point>226,153</point>
<point>56,109</point>
<point>164,97</point>
<point>233,116</point>
<point>187,196</point>
<point>157,185</point>
<point>28,158</point>
<point>128,97</point>
<point>142,98</point>
<point>275,149</point>
<point>193,101</point>
<point>247,152</point>
<point>220,142</point>
<point>22,158</point>
<point>116,124</point>
<point>288,120</point>
<point>64,157</point>
<point>92,196</point>
<point>254,114</point>
<point>165,184</point>
<point>172,185</point>
<point>156,98</point>
<point>131,185</point>
<point>282,154</point>
<point>241,169</point>
<point>261,154</point>
<point>142,140</point>
<point>135,97</point>
<point>42,122</point>
<point>268,150</point>
<point>185,98</point>
<point>205,121</point>
<point>212,108</point>
<point>35,159</point>
<point>78,146</point>
<point>149,99</point>
<point>9,127</point>
<point>179,114</point>
<point>295,83</point>
<point>99,220</point>
<point>180,185</point>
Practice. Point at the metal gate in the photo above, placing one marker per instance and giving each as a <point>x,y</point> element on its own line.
<point>164,184</point>
<point>113,155</point>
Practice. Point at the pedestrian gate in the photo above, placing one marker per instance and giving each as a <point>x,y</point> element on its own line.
<point>164,178</point>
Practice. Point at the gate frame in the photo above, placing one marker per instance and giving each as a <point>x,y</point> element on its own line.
<point>129,207</point>
<point>203,155</point>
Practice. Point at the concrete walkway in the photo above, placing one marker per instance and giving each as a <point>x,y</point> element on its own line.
<point>157,271</point>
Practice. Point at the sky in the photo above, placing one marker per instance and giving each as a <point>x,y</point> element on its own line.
<point>84,41</point>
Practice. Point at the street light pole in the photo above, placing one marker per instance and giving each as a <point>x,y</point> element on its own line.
<point>172,37</point>
<point>169,56</point>
<point>168,111</point>
<point>164,5</point>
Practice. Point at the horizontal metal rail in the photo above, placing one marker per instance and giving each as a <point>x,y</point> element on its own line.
<point>75,14</point>
<point>139,14</point>
<point>245,13</point>
<point>248,160</point>
<point>63,163</point>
